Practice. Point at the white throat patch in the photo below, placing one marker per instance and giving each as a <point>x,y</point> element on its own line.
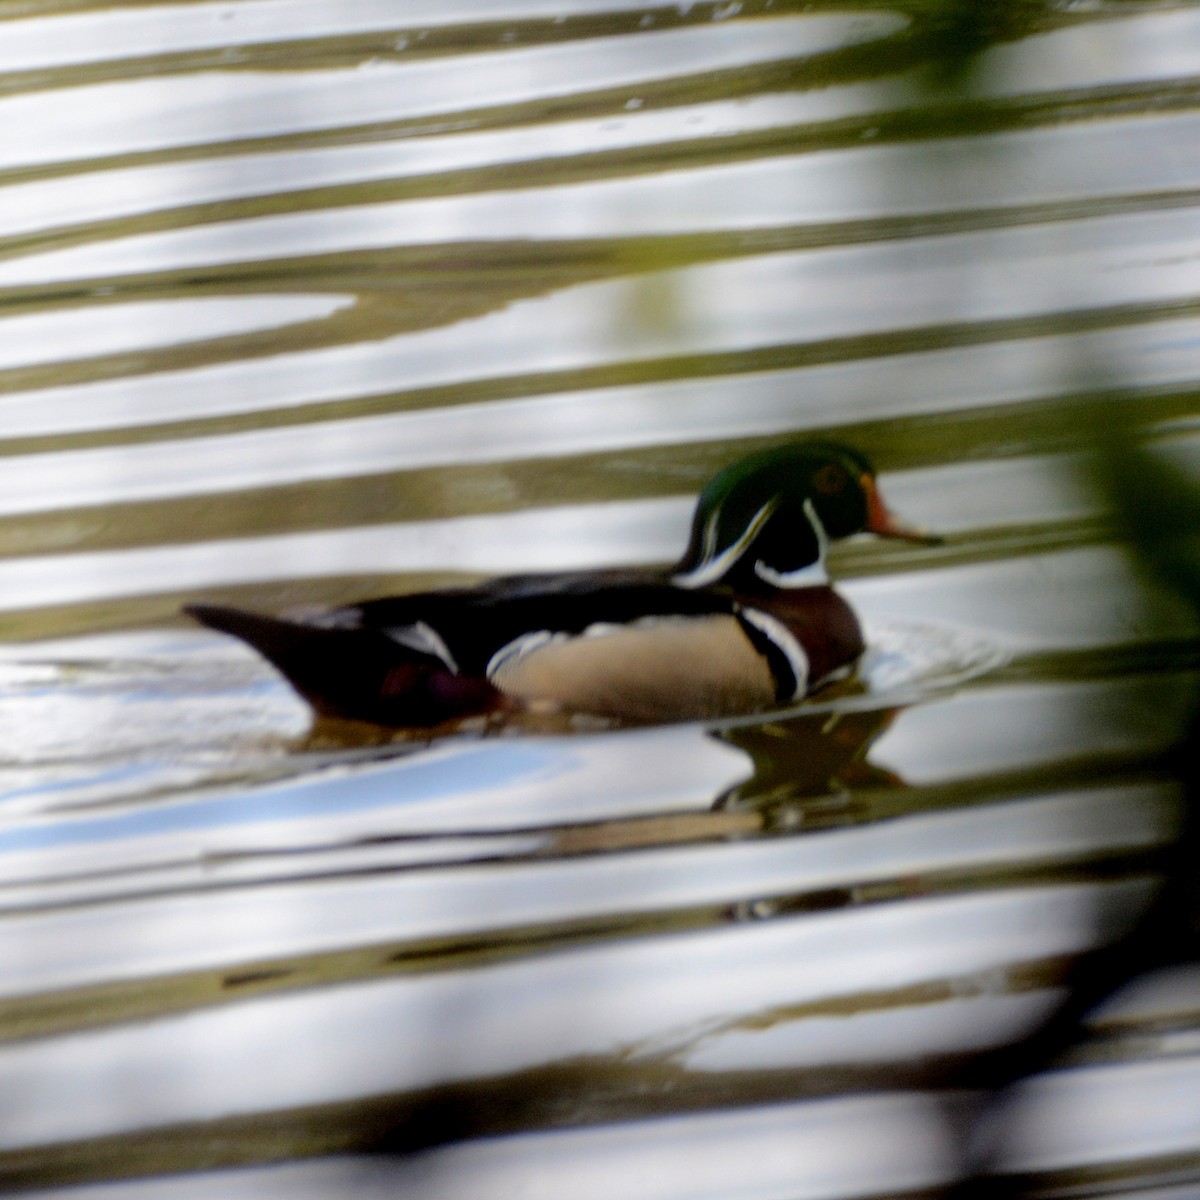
<point>812,575</point>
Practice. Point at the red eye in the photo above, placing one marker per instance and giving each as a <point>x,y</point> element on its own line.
<point>829,480</point>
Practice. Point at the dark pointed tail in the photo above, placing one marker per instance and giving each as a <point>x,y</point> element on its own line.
<point>361,674</point>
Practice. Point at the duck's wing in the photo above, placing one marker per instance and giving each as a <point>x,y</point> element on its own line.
<point>623,645</point>
<point>468,628</point>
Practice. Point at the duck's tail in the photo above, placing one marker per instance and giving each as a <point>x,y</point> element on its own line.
<point>359,674</point>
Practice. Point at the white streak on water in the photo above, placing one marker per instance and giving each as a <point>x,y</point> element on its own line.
<point>754,303</point>
<point>1023,726</point>
<point>73,333</point>
<point>159,934</point>
<point>127,191</point>
<point>1022,600</point>
<point>1069,598</point>
<point>1003,493</point>
<point>1104,1114</point>
<point>1071,162</point>
<point>538,540</point>
<point>607,999</point>
<point>1089,596</point>
<point>961,1026</point>
<point>123,33</point>
<point>165,112</point>
<point>210,107</point>
<point>1139,48</point>
<point>706,199</point>
<point>702,200</point>
<point>1165,995</point>
<point>826,1149</point>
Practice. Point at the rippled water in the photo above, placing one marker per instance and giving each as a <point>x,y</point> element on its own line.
<point>306,301</point>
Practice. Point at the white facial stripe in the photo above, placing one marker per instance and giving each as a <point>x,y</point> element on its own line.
<point>710,535</point>
<point>818,527</point>
<point>786,642</point>
<point>709,570</point>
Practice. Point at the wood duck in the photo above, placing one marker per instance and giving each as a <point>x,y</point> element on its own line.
<point>745,621</point>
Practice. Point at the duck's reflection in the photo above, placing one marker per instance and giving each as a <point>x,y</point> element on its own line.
<point>807,768</point>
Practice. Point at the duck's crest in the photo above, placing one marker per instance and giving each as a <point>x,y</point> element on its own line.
<point>718,553</point>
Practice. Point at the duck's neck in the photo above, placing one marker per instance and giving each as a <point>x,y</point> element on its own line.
<point>759,569</point>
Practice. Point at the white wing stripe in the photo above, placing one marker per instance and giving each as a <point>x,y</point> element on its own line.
<point>425,639</point>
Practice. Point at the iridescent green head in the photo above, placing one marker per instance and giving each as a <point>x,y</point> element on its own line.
<point>769,518</point>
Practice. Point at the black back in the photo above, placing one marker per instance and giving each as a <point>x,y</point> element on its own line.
<point>476,622</point>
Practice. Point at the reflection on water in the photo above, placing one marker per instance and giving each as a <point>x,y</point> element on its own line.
<point>305,302</point>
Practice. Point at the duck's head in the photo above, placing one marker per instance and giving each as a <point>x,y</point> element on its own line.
<point>767,520</point>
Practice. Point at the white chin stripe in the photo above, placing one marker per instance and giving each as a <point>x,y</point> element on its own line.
<point>811,576</point>
<point>782,638</point>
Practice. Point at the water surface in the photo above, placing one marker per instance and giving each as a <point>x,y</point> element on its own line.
<point>304,302</point>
